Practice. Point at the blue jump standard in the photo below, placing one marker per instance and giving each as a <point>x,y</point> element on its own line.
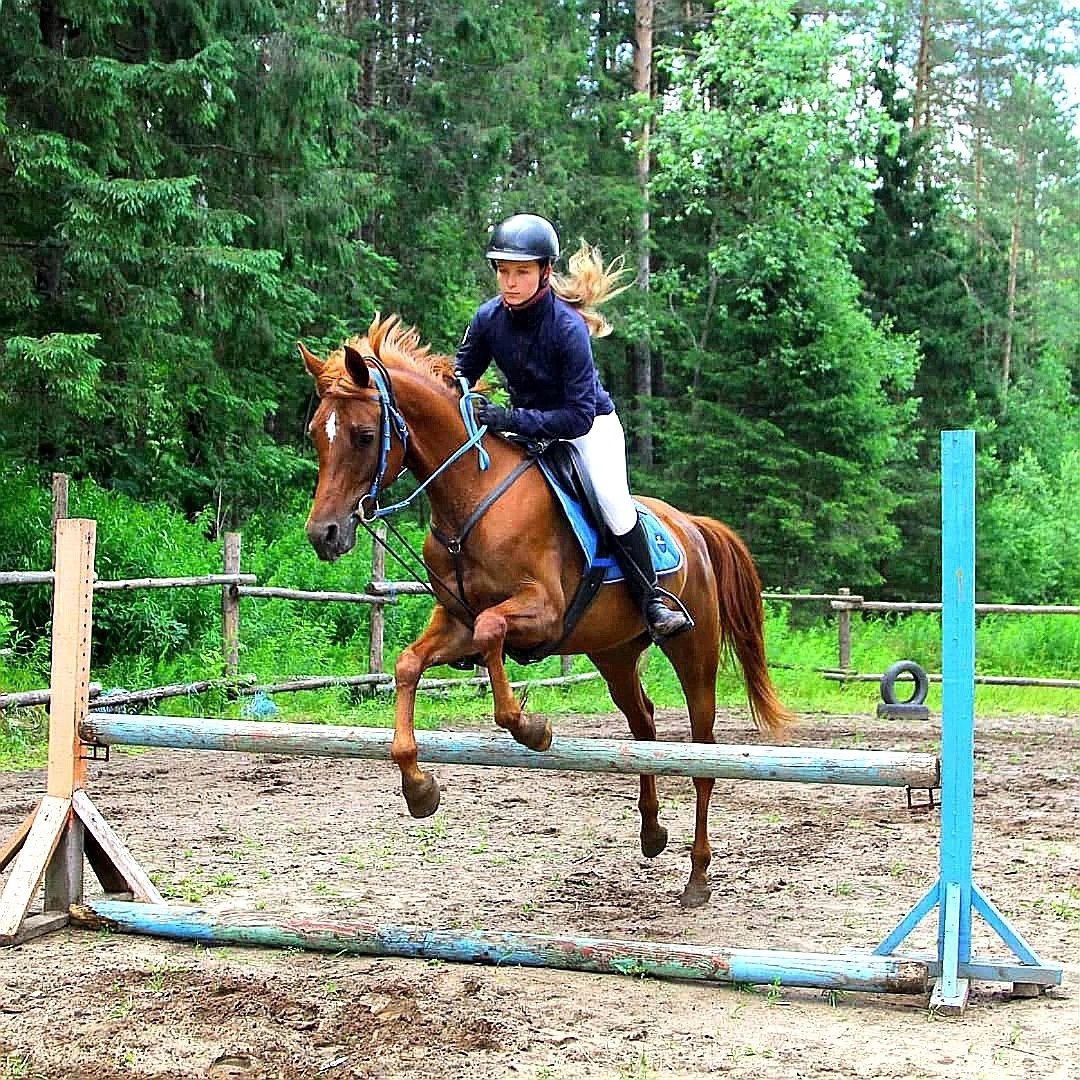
<point>807,765</point>
<point>954,893</point>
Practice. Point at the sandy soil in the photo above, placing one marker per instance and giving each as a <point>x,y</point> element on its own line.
<point>794,866</point>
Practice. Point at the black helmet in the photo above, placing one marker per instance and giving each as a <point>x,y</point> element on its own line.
<point>524,237</point>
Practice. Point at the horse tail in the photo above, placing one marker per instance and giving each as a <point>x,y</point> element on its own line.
<point>742,621</point>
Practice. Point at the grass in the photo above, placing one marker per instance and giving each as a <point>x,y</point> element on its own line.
<point>1036,645</point>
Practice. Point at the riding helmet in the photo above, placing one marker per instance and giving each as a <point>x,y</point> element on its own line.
<point>524,237</point>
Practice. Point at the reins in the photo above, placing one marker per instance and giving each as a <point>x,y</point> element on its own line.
<point>392,420</point>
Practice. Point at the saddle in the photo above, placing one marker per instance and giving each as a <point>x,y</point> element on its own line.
<point>570,484</point>
<point>561,465</point>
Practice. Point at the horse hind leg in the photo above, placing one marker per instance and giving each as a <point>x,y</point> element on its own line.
<point>619,670</point>
<point>695,661</point>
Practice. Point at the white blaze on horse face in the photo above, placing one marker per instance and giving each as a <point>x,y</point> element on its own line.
<point>331,428</point>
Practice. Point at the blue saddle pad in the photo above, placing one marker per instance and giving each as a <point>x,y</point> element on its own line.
<point>667,556</point>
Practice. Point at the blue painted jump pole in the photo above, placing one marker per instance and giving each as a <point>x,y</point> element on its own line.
<point>795,764</point>
<point>666,960</point>
<point>954,893</point>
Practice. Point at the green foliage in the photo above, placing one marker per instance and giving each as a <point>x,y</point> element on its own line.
<point>25,544</point>
<point>1030,533</point>
<point>189,189</point>
<point>148,540</point>
<point>1048,645</point>
<point>960,252</point>
<point>797,416</point>
<point>158,254</point>
<point>7,626</point>
<point>64,362</point>
<point>134,540</point>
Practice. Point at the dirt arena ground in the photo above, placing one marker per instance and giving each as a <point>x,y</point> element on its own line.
<point>814,868</point>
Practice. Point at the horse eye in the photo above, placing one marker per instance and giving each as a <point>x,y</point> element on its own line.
<point>360,439</point>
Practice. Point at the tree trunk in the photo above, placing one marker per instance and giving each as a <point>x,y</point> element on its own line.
<point>1014,261</point>
<point>52,26</point>
<point>644,11</point>
<point>920,113</point>
<point>979,123</point>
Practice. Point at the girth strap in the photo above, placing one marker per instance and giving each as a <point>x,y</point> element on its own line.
<point>454,544</point>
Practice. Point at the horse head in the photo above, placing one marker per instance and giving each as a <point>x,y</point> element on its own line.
<point>347,430</point>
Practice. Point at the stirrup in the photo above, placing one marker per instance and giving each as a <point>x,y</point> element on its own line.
<point>678,611</point>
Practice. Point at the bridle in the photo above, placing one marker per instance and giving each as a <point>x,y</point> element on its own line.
<point>368,510</point>
<point>392,421</point>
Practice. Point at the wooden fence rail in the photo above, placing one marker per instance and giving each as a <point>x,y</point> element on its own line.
<point>45,577</point>
<point>985,680</point>
<point>859,604</point>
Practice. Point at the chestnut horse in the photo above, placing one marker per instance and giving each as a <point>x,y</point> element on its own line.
<point>520,566</point>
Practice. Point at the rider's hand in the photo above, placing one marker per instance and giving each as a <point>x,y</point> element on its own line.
<point>496,417</point>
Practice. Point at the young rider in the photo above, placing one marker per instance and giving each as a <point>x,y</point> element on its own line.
<point>537,331</point>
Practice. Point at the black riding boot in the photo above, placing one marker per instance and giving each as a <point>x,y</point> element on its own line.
<point>632,552</point>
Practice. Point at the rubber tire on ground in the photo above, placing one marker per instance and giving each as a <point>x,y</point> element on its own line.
<point>905,667</point>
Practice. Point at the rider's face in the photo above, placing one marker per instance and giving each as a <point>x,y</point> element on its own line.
<point>518,281</point>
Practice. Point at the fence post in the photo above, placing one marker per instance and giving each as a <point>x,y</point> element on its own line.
<point>230,607</point>
<point>59,505</point>
<point>843,629</point>
<point>378,621</point>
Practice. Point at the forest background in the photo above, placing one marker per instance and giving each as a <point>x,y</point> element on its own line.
<point>852,225</point>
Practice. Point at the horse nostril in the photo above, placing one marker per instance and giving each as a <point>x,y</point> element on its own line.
<point>331,533</point>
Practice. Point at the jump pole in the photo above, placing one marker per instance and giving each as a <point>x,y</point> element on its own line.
<point>794,764</point>
<point>706,963</point>
<point>954,893</point>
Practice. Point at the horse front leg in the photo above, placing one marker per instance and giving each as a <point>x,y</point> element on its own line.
<point>489,634</point>
<point>443,641</point>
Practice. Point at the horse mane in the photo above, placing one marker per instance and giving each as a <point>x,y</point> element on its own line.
<point>394,343</point>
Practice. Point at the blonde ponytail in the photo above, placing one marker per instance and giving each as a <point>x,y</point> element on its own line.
<point>589,284</point>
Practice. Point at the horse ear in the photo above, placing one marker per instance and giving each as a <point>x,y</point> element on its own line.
<point>357,367</point>
<point>311,361</point>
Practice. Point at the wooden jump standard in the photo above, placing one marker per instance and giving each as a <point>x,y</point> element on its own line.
<point>50,845</point>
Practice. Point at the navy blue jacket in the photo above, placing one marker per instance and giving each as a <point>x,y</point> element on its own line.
<point>545,355</point>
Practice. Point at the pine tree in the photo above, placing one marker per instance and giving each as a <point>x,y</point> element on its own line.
<point>156,256</point>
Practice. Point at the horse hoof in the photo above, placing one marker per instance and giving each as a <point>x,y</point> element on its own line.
<point>535,733</point>
<point>653,842</point>
<point>695,896</point>
<point>422,798</point>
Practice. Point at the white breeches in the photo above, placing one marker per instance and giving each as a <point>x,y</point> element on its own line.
<point>603,453</point>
